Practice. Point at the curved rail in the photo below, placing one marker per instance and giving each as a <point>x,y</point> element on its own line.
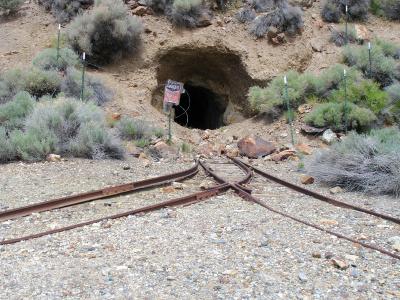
<point>317,195</point>
<point>247,196</point>
<point>98,194</point>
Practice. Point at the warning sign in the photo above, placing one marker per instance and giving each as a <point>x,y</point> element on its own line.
<point>172,92</point>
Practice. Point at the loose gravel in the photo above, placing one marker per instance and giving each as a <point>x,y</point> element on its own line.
<point>221,248</point>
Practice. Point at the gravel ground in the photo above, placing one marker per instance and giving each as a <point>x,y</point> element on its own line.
<point>221,248</point>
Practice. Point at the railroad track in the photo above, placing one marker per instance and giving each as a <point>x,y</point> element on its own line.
<point>228,174</point>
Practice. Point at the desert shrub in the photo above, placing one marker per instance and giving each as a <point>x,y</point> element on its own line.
<point>383,68</point>
<point>365,93</point>
<point>338,35</point>
<point>94,90</point>
<point>271,98</point>
<point>160,6</point>
<point>47,59</point>
<point>13,113</point>
<point>159,132</point>
<point>7,149</point>
<point>106,33</point>
<point>185,148</point>
<point>67,127</point>
<point>187,13</point>
<point>9,7</point>
<point>39,82</point>
<point>284,17</point>
<point>332,115</point>
<point>394,92</point>
<point>367,163</point>
<point>334,10</point>
<point>65,10</point>
<point>35,81</point>
<point>142,142</point>
<point>376,7</point>
<point>388,48</point>
<point>394,102</point>
<point>132,129</point>
<point>391,9</point>
<point>246,14</point>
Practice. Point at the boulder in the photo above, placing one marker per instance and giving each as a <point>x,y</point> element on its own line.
<point>328,137</point>
<point>255,147</point>
<point>311,130</point>
<point>53,158</point>
<point>362,33</point>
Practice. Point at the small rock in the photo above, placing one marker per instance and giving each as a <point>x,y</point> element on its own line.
<point>336,190</point>
<point>362,33</point>
<point>116,116</point>
<point>126,168</point>
<point>178,185</point>
<point>205,185</point>
<point>329,137</point>
<point>328,222</point>
<point>304,148</point>
<point>140,11</point>
<point>302,277</point>
<point>340,264</point>
<point>283,155</point>
<point>306,179</point>
<point>168,189</point>
<point>204,20</point>
<point>311,130</point>
<point>272,33</point>
<point>304,108</point>
<point>351,257</point>
<point>53,158</point>
<point>328,255</point>
<point>395,242</point>
<point>317,46</point>
<point>316,255</point>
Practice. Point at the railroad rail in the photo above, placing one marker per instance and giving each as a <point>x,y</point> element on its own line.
<point>223,184</point>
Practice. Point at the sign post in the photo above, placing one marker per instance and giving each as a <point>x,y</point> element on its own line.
<point>347,19</point>
<point>345,100</point>
<point>289,111</point>
<point>172,95</point>
<point>370,60</point>
<point>58,41</point>
<point>83,74</point>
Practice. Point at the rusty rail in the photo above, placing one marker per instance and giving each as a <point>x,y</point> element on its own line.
<point>97,194</point>
<point>317,195</point>
<point>247,196</point>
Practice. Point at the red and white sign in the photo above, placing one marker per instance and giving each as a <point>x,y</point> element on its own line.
<point>172,92</point>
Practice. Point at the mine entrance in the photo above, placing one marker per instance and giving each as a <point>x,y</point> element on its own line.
<point>200,108</point>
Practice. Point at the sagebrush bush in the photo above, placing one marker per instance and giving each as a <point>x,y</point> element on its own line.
<point>14,112</point>
<point>394,102</point>
<point>187,13</point>
<point>47,59</point>
<point>160,6</point>
<point>284,17</point>
<point>246,14</point>
<point>391,9</point>
<point>65,10</point>
<point>10,6</point>
<point>365,93</point>
<point>301,88</point>
<point>334,10</point>
<point>338,35</point>
<point>367,163</point>
<point>67,127</point>
<point>332,115</point>
<point>106,33</point>
<point>383,68</point>
<point>132,129</point>
<point>94,90</point>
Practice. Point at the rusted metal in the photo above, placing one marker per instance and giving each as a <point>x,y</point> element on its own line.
<point>245,195</point>
<point>190,199</point>
<point>98,194</point>
<point>319,196</point>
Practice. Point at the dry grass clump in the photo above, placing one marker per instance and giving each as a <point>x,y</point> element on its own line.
<point>368,163</point>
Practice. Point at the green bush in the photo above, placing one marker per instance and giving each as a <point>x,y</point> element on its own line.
<point>9,7</point>
<point>11,83</point>
<point>14,112</point>
<point>367,163</point>
<point>332,115</point>
<point>47,59</point>
<point>383,68</point>
<point>365,93</point>
<point>131,129</point>
<point>106,33</point>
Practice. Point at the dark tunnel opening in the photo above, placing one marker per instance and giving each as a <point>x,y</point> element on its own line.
<point>204,108</point>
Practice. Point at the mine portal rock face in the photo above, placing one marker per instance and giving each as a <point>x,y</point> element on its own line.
<point>254,147</point>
